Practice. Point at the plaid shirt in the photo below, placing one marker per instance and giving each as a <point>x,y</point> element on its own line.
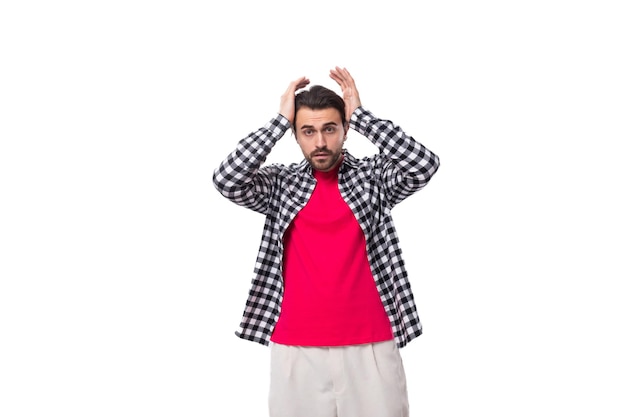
<point>371,186</point>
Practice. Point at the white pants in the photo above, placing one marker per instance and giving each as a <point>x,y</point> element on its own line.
<point>346,381</point>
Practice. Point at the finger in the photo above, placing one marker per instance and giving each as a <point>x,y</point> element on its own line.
<point>340,81</point>
<point>302,82</point>
<point>342,77</point>
<point>342,73</point>
<point>337,76</point>
<point>347,78</point>
<point>346,73</point>
<point>296,85</point>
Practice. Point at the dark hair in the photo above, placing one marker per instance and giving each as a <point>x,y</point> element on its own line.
<point>319,98</point>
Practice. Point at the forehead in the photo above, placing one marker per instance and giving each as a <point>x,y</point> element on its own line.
<point>317,118</point>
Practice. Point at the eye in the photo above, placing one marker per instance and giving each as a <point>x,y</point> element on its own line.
<point>308,132</point>
<point>330,129</point>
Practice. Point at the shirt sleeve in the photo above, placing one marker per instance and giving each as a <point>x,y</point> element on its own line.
<point>406,165</point>
<point>239,176</point>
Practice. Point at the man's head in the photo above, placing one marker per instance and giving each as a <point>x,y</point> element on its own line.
<point>320,126</point>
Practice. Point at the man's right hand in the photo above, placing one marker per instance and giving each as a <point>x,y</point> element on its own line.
<point>288,99</point>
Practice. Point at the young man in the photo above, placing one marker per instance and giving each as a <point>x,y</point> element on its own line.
<point>330,292</point>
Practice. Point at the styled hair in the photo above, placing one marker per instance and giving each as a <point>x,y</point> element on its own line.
<point>319,98</point>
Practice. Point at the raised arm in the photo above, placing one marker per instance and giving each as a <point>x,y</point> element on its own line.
<point>406,164</point>
<point>239,177</point>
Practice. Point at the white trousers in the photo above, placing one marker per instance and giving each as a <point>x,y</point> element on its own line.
<point>346,381</point>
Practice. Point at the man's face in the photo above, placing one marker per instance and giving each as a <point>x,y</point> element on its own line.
<point>320,135</point>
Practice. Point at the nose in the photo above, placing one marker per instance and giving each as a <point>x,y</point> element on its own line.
<point>320,141</point>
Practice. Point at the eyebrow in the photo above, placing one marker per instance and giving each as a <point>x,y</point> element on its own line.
<point>324,125</point>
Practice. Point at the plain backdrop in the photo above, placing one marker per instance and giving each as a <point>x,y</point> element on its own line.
<point>123,273</point>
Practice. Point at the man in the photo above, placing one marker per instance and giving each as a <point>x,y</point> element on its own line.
<point>330,292</point>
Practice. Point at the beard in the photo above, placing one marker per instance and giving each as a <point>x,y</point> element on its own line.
<point>323,159</point>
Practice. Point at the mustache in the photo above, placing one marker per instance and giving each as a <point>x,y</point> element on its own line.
<point>323,151</point>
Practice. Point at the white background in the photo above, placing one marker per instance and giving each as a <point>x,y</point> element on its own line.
<point>124,273</point>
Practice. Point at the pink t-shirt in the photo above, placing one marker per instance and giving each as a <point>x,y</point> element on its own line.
<point>330,298</point>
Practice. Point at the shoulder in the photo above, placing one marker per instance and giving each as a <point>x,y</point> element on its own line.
<point>285,170</point>
<point>365,162</point>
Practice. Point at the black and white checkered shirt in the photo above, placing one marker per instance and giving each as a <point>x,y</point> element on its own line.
<point>371,186</point>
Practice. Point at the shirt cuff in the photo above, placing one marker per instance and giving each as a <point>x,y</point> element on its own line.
<point>278,125</point>
<point>360,119</point>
